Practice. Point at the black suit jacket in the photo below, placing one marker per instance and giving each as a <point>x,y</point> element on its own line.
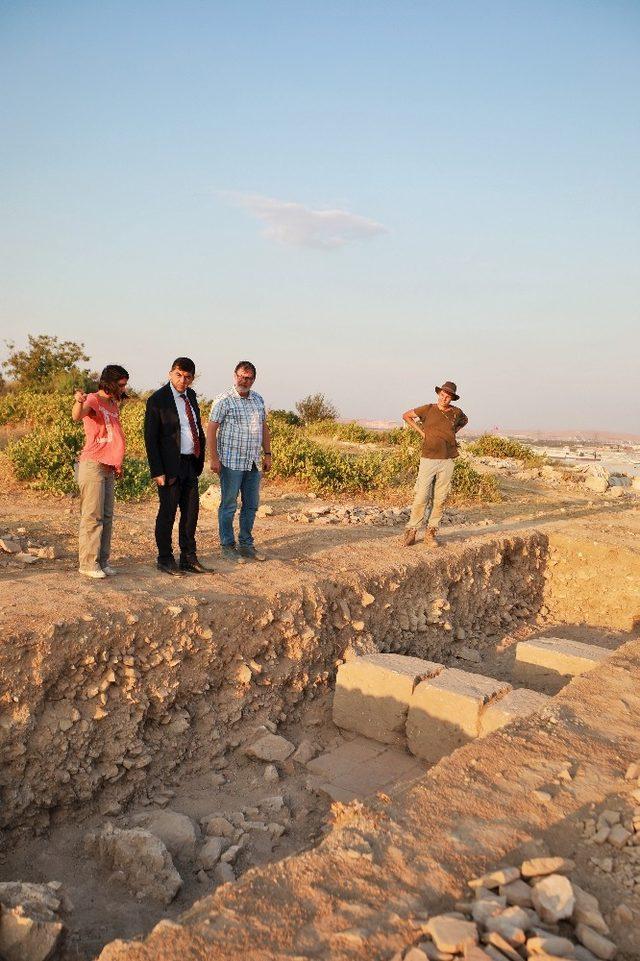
<point>162,432</point>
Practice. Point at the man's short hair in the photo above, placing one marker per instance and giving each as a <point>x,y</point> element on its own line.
<point>245,365</point>
<point>185,364</point>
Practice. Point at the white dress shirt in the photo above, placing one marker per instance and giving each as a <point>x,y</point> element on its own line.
<point>186,437</point>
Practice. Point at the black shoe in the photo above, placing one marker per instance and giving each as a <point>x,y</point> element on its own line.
<point>229,552</point>
<point>170,567</point>
<point>194,566</point>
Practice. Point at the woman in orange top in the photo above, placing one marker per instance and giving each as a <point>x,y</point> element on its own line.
<point>99,463</point>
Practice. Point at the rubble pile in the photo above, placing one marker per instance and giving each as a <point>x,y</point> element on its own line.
<point>16,548</point>
<point>533,911</point>
<point>617,834</point>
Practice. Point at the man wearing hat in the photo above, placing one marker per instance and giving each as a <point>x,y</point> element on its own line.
<point>438,425</point>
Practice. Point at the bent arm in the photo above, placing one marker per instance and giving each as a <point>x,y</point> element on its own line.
<point>411,418</point>
<point>80,407</point>
<point>462,421</point>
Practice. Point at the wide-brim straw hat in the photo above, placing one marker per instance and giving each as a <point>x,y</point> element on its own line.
<point>450,388</point>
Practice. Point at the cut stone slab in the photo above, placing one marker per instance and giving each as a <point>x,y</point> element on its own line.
<point>361,767</point>
<point>451,934</point>
<point>373,692</point>
<point>445,711</point>
<point>514,705</point>
<point>542,657</point>
<point>553,898</point>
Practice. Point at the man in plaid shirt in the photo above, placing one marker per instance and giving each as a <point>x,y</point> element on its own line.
<point>236,435</point>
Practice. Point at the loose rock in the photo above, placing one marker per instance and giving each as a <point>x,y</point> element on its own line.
<point>553,898</point>
<point>141,859</point>
<point>270,747</point>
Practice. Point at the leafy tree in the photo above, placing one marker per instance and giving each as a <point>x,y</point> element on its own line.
<point>47,363</point>
<point>315,407</point>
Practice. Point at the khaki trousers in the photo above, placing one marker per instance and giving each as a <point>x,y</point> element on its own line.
<point>96,483</point>
<point>432,486</point>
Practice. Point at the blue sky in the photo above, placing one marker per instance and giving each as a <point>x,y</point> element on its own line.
<point>363,198</point>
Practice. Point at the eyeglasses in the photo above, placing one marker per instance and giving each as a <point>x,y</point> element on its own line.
<point>245,376</point>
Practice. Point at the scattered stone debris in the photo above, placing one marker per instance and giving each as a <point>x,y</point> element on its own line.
<point>30,925</point>
<point>555,920</point>
<point>616,836</point>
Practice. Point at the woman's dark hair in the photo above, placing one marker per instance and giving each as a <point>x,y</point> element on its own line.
<point>185,364</point>
<point>110,376</point>
<point>245,365</point>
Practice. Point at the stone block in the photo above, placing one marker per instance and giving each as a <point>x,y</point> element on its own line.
<point>445,711</point>
<point>516,704</point>
<point>543,657</point>
<point>373,692</point>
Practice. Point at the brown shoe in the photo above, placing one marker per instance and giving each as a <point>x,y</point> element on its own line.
<point>430,538</point>
<point>409,537</point>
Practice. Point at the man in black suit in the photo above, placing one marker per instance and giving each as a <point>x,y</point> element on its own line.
<point>175,443</point>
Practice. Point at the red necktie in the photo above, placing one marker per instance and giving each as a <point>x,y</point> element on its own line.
<point>192,425</point>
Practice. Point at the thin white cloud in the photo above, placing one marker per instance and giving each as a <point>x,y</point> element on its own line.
<point>300,226</point>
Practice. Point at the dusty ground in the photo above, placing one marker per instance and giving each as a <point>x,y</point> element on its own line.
<point>312,899</point>
<point>30,592</point>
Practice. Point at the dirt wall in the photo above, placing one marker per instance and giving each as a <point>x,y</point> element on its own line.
<point>592,582</point>
<point>108,706</point>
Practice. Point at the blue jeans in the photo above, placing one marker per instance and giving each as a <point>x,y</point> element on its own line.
<point>247,484</point>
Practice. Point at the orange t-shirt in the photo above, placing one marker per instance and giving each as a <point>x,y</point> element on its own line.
<point>104,440</point>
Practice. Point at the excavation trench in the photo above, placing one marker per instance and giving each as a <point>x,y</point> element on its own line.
<point>123,713</point>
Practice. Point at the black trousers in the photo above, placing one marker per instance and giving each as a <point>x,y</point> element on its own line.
<point>180,493</point>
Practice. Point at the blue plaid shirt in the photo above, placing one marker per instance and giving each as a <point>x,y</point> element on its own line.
<point>241,420</point>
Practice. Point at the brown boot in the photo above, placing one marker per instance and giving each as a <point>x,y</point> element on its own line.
<point>430,538</point>
<point>409,537</point>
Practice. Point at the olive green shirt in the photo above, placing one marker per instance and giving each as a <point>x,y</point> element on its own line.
<point>440,428</point>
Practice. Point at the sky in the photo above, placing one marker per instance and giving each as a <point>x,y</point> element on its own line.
<point>363,198</point>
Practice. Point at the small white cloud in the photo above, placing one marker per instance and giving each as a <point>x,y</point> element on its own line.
<point>293,223</point>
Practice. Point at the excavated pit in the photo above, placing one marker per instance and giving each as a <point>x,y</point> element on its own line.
<point>128,712</point>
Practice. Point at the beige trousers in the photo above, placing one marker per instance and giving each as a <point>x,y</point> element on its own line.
<point>96,483</point>
<point>432,486</point>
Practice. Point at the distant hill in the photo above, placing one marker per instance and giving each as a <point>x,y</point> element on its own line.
<point>567,436</point>
<point>538,436</point>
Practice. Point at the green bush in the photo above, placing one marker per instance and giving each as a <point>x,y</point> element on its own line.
<point>45,456</point>
<point>470,485</point>
<point>295,454</point>
<point>490,445</point>
<point>286,418</point>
